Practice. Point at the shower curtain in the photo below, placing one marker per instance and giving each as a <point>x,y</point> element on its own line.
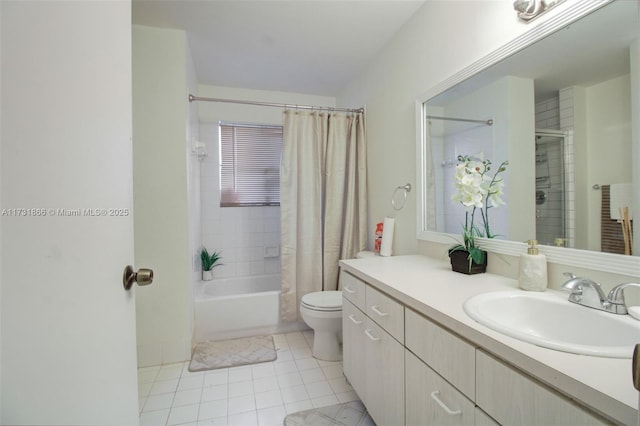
<point>323,201</point>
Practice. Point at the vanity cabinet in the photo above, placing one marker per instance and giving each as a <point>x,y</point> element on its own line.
<point>373,360</point>
<point>511,398</point>
<point>354,323</point>
<point>431,400</point>
<point>409,370</point>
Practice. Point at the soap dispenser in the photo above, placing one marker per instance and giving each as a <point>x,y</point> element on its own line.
<point>533,269</point>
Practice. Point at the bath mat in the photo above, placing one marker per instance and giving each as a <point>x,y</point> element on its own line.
<point>351,413</point>
<point>231,353</point>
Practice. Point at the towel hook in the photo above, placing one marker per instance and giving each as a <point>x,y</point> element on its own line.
<point>405,190</point>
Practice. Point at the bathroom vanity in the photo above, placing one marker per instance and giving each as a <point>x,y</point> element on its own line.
<point>415,357</point>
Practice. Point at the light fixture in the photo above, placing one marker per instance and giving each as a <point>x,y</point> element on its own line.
<point>530,9</point>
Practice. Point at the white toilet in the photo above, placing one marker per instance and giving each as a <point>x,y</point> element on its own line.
<point>322,311</point>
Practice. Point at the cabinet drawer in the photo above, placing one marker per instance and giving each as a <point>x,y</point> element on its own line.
<point>483,419</point>
<point>354,323</point>
<point>431,400</point>
<point>446,353</point>
<point>512,398</point>
<point>384,378</point>
<point>353,290</point>
<point>386,312</point>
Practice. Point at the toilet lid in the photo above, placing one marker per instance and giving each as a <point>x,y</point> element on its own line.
<point>323,300</point>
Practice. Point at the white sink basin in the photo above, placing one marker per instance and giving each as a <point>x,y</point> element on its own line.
<point>548,319</point>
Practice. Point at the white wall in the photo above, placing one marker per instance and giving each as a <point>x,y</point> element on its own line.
<point>161,196</point>
<point>441,39</point>
<point>608,146</point>
<point>241,234</point>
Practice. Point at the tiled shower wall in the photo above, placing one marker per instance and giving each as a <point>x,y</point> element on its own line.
<point>247,237</point>
<point>555,114</point>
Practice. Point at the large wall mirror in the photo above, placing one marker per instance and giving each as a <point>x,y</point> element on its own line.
<point>559,110</point>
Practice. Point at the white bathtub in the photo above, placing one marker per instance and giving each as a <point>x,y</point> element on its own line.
<point>239,307</point>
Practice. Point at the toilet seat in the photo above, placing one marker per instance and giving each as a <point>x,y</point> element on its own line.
<point>323,301</point>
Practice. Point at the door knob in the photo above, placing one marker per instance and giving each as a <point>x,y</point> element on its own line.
<point>142,277</point>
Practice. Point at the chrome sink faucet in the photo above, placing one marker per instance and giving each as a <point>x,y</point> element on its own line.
<point>586,292</point>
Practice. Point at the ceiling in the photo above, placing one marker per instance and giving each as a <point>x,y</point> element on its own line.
<point>302,46</point>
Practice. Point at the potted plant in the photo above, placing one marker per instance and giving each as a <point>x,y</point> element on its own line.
<point>209,261</point>
<point>476,190</point>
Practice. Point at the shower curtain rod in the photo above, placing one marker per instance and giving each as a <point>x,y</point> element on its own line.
<point>468,120</point>
<point>193,98</point>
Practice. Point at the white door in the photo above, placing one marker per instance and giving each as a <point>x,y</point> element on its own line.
<point>68,326</point>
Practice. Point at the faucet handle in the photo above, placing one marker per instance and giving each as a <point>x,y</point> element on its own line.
<point>570,284</point>
<point>616,295</point>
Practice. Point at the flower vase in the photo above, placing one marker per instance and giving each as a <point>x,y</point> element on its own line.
<point>460,263</point>
<point>207,275</point>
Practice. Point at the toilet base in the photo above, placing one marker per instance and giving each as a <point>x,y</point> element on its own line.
<point>326,346</point>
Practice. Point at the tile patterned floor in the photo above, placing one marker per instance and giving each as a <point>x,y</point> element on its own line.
<point>259,394</point>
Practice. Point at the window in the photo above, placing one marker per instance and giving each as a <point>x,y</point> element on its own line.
<point>250,164</point>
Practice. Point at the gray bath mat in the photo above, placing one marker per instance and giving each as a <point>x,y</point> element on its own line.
<point>351,413</point>
<point>231,353</point>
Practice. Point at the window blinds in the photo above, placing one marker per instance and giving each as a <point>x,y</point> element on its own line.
<point>250,164</point>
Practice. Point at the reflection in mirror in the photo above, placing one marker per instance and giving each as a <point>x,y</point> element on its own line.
<point>561,114</point>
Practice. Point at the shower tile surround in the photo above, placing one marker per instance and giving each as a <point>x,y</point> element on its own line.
<point>259,394</point>
<point>247,237</point>
<point>557,114</point>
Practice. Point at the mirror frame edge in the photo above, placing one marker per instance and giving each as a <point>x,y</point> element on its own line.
<point>567,13</point>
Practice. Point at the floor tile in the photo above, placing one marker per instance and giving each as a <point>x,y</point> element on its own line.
<point>213,410</point>
<point>187,397</point>
<point>218,421</point>
<point>188,382</point>
<point>243,419</point>
<point>183,414</point>
<point>293,394</point>
<point>294,407</point>
<point>324,401</point>
<point>272,416</point>
<point>170,371</point>
<point>313,375</point>
<point>154,418</point>
<point>265,384</point>
<point>166,386</point>
<point>319,389</point>
<point>158,402</point>
<point>240,374</point>
<point>241,404</point>
<point>213,393</point>
<point>261,394</point>
<point>263,370</point>
<point>268,399</point>
<point>289,380</point>
<point>217,377</point>
<point>307,364</point>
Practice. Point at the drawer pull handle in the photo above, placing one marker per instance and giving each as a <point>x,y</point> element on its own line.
<point>371,336</point>
<point>348,290</point>
<point>434,396</point>
<point>378,311</point>
<point>354,320</point>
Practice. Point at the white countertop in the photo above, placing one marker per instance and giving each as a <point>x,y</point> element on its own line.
<point>429,286</point>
